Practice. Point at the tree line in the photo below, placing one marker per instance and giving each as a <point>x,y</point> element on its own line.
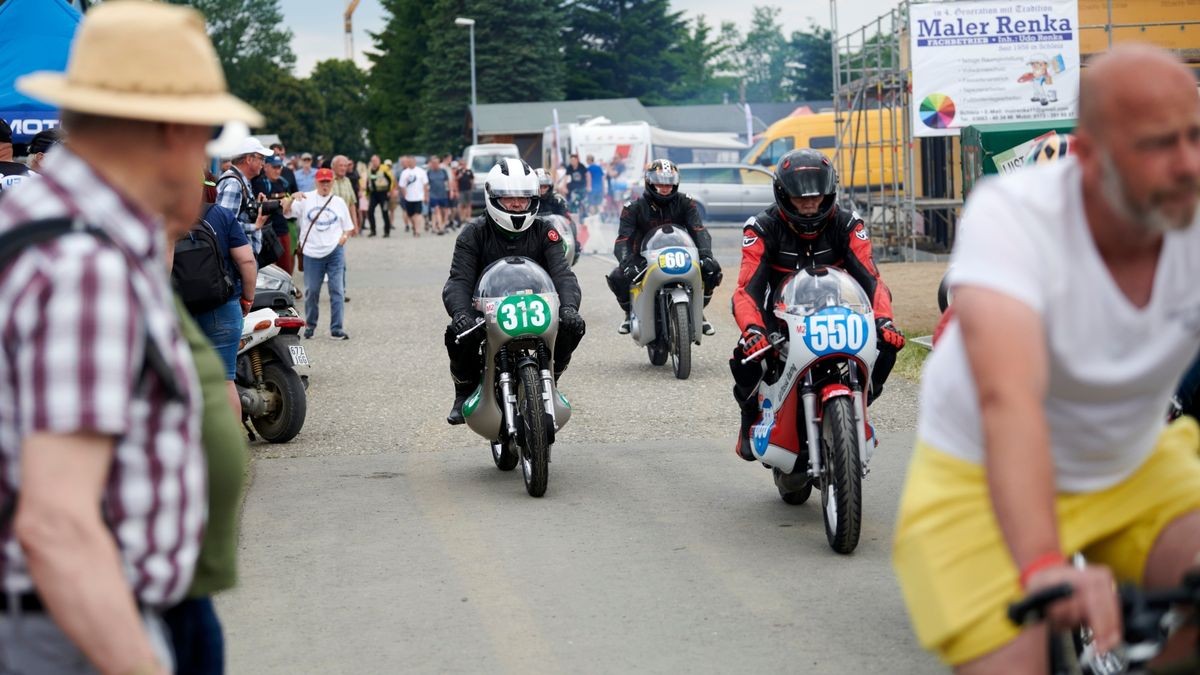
<point>415,96</point>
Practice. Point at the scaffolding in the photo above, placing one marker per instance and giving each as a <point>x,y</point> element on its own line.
<point>907,189</point>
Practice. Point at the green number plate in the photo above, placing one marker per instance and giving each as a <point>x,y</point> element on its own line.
<point>523,315</point>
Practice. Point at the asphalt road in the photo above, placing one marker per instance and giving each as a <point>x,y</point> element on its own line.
<point>382,540</point>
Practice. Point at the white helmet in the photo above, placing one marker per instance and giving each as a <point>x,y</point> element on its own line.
<point>511,178</point>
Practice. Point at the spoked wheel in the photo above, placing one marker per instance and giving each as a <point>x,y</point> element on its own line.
<point>504,455</point>
<point>841,496</point>
<point>657,351</point>
<point>681,340</point>
<point>535,453</point>
<point>787,484</point>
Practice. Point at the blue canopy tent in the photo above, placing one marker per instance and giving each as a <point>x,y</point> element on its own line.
<point>34,35</point>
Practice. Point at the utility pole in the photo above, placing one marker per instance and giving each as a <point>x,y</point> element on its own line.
<point>470,24</point>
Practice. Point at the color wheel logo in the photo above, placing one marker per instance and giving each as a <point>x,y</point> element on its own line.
<point>937,111</point>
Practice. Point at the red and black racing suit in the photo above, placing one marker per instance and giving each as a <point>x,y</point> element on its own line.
<point>772,250</point>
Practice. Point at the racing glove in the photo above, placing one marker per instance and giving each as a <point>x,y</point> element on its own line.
<point>889,335</point>
<point>466,320</point>
<point>571,321</point>
<point>754,338</point>
<point>632,268</point>
<point>711,269</point>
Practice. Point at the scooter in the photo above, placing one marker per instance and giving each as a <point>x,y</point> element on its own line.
<point>664,312</point>
<point>518,407</point>
<point>812,426</point>
<point>272,391</point>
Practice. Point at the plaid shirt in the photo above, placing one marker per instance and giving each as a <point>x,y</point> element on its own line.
<point>75,314</point>
<point>230,195</point>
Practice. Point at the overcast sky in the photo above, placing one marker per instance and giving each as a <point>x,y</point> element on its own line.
<point>317,24</point>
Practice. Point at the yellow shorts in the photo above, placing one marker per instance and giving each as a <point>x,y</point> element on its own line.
<point>954,567</point>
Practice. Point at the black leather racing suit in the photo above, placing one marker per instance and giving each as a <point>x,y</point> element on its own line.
<point>645,214</point>
<point>480,243</point>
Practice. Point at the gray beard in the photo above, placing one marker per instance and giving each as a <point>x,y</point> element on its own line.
<point>1115,193</point>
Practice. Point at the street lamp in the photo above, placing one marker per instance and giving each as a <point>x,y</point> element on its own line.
<point>470,24</point>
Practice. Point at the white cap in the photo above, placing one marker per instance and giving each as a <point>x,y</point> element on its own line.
<point>250,146</point>
<point>233,135</point>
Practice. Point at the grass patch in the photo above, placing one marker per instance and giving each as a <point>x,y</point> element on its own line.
<point>911,359</point>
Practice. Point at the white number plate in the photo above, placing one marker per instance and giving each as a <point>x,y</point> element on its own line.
<point>298,356</point>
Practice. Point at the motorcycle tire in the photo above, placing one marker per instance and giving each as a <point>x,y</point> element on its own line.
<point>282,424</point>
<point>657,351</point>
<point>681,340</point>
<point>841,493</point>
<point>788,495</point>
<point>504,456</point>
<point>535,455</point>
<point>944,295</point>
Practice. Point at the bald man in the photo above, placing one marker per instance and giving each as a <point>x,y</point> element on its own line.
<point>1042,428</point>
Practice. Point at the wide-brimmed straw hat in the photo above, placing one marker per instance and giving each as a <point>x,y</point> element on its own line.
<point>145,61</point>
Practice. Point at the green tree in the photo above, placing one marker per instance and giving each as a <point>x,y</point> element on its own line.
<point>250,40</point>
<point>814,50</point>
<point>618,48</point>
<point>763,55</point>
<point>514,61</point>
<point>702,54</point>
<point>399,64</point>
<point>294,109</point>
<point>343,88</point>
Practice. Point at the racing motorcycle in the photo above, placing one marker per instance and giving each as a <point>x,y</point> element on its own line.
<point>665,312</point>
<point>566,230</point>
<point>812,428</point>
<point>517,407</point>
<point>272,391</point>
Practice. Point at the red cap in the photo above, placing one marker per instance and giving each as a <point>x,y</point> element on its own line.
<point>324,175</point>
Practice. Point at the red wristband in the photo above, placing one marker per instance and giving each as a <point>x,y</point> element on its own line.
<point>1044,561</point>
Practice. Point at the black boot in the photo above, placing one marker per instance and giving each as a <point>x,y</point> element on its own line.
<point>461,393</point>
<point>749,414</point>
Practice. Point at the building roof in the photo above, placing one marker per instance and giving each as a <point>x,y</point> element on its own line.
<point>533,117</point>
<point>704,118</point>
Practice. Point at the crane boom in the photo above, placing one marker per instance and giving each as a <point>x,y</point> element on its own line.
<point>351,5</point>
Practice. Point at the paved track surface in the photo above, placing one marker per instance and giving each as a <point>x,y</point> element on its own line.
<point>382,540</point>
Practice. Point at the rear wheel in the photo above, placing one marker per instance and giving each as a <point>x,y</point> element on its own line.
<point>841,496</point>
<point>288,403</point>
<point>535,453</point>
<point>681,340</point>
<point>504,455</point>
<point>657,351</point>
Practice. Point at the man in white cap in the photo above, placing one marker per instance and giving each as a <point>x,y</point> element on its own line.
<point>102,479</point>
<point>234,188</point>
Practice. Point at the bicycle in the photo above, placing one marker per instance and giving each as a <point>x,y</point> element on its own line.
<point>1148,618</point>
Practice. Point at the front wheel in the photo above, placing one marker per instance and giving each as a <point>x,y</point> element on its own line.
<point>290,404</point>
<point>841,493</point>
<point>535,451</point>
<point>681,340</point>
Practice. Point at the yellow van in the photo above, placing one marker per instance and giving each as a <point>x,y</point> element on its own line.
<point>876,162</point>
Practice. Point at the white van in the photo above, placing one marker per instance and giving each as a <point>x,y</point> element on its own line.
<point>481,158</point>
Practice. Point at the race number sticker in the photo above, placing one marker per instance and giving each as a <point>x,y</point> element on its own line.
<point>836,330</point>
<point>523,315</point>
<point>675,261</point>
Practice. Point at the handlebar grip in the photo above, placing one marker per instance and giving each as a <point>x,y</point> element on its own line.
<point>1033,607</point>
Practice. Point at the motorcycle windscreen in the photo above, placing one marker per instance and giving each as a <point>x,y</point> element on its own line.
<point>666,237</point>
<point>811,290</point>
<point>564,230</point>
<point>513,276</point>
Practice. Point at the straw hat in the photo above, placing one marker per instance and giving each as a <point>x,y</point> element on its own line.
<point>145,61</point>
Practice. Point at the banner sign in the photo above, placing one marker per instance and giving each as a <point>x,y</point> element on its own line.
<point>26,124</point>
<point>989,61</point>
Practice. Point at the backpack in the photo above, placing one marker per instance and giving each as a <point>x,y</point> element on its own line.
<point>199,273</point>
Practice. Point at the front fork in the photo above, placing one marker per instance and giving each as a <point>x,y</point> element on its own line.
<point>508,399</point>
<point>808,395</point>
<point>547,383</point>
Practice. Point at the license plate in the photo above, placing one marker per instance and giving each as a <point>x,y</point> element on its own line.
<point>298,356</point>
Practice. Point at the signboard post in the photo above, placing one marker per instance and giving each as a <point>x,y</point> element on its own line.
<point>992,61</point>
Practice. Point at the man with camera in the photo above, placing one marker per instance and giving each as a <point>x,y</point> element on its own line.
<point>234,191</point>
<point>275,194</point>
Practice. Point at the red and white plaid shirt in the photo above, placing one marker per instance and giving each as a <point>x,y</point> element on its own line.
<point>74,317</point>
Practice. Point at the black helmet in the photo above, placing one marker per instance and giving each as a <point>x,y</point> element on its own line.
<point>662,172</point>
<point>805,173</point>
